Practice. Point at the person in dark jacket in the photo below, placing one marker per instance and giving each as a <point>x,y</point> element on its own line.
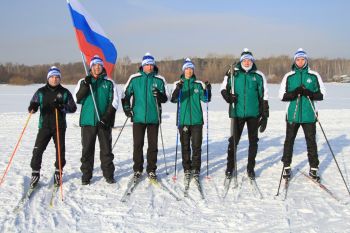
<point>245,89</point>
<point>148,90</point>
<point>98,97</point>
<point>49,98</point>
<point>191,92</point>
<point>300,88</point>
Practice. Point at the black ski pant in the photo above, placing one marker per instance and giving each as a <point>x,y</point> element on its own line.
<point>42,140</point>
<point>310,137</point>
<point>191,136</point>
<point>238,126</point>
<point>139,131</point>
<point>88,140</point>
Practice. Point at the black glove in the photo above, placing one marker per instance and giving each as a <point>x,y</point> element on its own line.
<point>58,102</point>
<point>208,89</point>
<point>308,93</point>
<point>228,97</point>
<point>299,90</point>
<point>102,124</point>
<point>179,84</point>
<point>128,113</point>
<point>87,80</point>
<point>262,124</point>
<point>161,97</point>
<point>33,107</point>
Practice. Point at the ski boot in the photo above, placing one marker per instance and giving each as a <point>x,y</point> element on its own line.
<point>35,179</point>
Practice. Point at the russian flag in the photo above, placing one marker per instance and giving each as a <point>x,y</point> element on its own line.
<point>91,38</point>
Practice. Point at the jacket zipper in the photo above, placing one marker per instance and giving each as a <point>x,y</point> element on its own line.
<point>245,92</point>
<point>189,99</point>
<point>146,91</point>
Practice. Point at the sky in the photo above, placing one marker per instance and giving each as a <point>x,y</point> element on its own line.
<point>41,31</point>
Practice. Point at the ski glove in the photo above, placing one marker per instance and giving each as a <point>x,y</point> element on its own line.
<point>228,97</point>
<point>128,113</point>
<point>262,124</point>
<point>161,97</point>
<point>58,102</point>
<point>308,93</point>
<point>208,89</point>
<point>87,80</point>
<point>176,92</point>
<point>103,125</point>
<point>33,107</point>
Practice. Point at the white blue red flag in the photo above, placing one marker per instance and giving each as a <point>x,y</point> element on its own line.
<point>91,38</point>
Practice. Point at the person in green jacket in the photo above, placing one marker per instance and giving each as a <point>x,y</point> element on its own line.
<point>98,97</point>
<point>148,90</point>
<point>190,92</point>
<point>301,87</point>
<point>245,89</point>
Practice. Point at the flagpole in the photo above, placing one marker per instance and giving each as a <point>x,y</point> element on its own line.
<point>92,94</point>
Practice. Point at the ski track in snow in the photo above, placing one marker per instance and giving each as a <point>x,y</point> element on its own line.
<point>97,207</point>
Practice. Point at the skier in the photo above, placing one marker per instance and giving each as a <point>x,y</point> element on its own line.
<point>49,98</point>
<point>98,97</point>
<point>245,89</point>
<point>300,88</point>
<point>190,116</point>
<point>147,90</point>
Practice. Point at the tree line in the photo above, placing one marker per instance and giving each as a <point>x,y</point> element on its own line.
<point>211,68</point>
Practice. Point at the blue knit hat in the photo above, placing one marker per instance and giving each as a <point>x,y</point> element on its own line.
<point>148,59</point>
<point>96,60</point>
<point>300,53</point>
<point>246,54</point>
<point>53,71</point>
<point>187,64</point>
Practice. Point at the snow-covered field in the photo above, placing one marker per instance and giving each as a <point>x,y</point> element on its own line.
<point>97,208</point>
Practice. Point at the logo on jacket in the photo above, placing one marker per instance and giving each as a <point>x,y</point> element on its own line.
<point>254,79</point>
<point>196,91</point>
<point>309,80</point>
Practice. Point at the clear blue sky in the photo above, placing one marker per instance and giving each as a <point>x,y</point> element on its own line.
<point>40,31</point>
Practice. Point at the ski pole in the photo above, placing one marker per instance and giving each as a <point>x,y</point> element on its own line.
<point>161,135</point>
<point>177,131</point>
<point>59,152</point>
<point>233,128</point>
<point>207,94</point>
<point>127,118</point>
<point>330,148</point>
<point>14,151</point>
<point>294,117</point>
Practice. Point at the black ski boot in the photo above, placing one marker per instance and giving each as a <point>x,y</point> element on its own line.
<point>110,180</point>
<point>137,175</point>
<point>251,174</point>
<point>228,178</point>
<point>313,173</point>
<point>57,178</point>
<point>152,176</point>
<point>35,178</point>
<point>195,174</point>
<point>187,177</point>
<point>287,172</point>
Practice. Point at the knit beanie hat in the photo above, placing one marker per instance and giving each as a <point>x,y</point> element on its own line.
<point>96,60</point>
<point>187,64</point>
<point>53,71</point>
<point>148,59</point>
<point>300,53</point>
<point>246,54</point>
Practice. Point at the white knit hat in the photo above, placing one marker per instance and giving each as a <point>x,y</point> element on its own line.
<point>300,53</point>
<point>246,54</point>
<point>148,59</point>
<point>187,64</point>
<point>96,60</point>
<point>53,71</point>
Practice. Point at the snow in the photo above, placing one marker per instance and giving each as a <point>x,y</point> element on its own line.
<point>97,208</point>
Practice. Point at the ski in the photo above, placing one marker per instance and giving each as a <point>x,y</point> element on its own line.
<point>133,182</point>
<point>199,187</point>
<point>238,192</point>
<point>227,184</point>
<point>53,195</point>
<point>286,186</point>
<point>25,198</point>
<point>187,186</point>
<point>322,186</point>
<point>160,185</point>
<point>255,188</point>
